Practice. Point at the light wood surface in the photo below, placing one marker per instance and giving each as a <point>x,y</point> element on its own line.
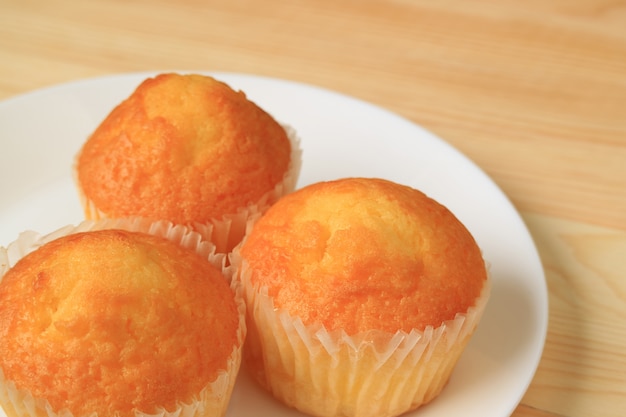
<point>533,91</point>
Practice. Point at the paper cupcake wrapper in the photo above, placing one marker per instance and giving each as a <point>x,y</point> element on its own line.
<point>326,373</point>
<point>225,232</point>
<point>211,401</point>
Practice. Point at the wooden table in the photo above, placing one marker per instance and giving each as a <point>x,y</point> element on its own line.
<point>533,91</point>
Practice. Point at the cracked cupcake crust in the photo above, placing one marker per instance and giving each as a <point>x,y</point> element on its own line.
<point>360,254</point>
<point>113,321</point>
<point>185,148</point>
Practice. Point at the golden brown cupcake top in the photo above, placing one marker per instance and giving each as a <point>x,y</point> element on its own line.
<point>112,321</point>
<point>360,254</point>
<point>183,148</point>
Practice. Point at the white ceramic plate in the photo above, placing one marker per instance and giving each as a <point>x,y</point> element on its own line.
<point>40,133</point>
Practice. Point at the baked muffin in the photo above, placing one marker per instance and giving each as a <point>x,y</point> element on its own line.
<point>109,319</point>
<point>362,294</point>
<point>191,150</point>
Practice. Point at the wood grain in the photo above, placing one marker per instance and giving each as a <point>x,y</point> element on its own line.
<point>525,411</point>
<point>533,91</point>
<point>583,369</point>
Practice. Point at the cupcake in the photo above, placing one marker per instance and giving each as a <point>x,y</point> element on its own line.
<point>117,318</point>
<point>361,296</point>
<point>190,150</point>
